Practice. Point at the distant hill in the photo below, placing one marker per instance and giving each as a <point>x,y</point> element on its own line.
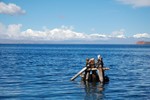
<point>142,42</point>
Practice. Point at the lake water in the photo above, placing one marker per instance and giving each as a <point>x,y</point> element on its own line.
<point>44,72</point>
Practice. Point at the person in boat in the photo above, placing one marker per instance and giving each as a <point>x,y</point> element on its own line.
<point>90,63</point>
<point>100,61</point>
<point>100,64</point>
<point>94,75</point>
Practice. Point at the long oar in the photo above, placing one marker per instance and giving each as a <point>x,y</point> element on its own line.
<point>101,74</point>
<point>81,71</point>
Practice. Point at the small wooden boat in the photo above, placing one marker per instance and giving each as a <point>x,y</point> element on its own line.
<point>97,76</point>
<point>93,72</point>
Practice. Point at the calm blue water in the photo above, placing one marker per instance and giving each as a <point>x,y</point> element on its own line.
<point>44,72</point>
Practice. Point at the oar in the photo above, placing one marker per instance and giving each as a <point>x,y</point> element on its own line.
<point>101,74</point>
<point>81,71</point>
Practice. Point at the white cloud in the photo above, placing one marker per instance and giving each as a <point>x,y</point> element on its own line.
<point>142,35</point>
<point>31,34</point>
<point>10,9</point>
<point>98,37</point>
<point>56,34</point>
<point>13,32</point>
<point>136,3</point>
<point>118,34</point>
<point>14,28</point>
<point>2,28</point>
<point>66,33</point>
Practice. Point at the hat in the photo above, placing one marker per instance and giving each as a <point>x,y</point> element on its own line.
<point>99,56</point>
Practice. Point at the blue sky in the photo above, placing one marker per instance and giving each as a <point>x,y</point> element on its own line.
<point>76,21</point>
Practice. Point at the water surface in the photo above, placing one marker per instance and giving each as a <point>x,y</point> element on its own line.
<point>43,72</point>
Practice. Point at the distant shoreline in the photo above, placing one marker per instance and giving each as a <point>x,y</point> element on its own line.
<point>143,42</point>
<point>68,44</point>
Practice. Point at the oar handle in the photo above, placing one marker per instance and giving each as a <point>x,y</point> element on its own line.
<point>76,75</point>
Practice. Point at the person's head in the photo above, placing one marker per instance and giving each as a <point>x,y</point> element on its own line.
<point>92,61</point>
<point>99,57</point>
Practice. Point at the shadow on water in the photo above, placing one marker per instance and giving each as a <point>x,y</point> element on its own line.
<point>94,90</point>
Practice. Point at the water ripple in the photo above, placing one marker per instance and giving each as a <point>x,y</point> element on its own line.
<point>44,72</point>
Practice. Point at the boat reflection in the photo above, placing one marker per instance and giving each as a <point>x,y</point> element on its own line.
<point>94,90</point>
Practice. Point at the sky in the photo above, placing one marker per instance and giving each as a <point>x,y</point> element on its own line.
<point>74,21</point>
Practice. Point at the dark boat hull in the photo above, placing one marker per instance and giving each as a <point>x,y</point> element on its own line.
<point>94,78</point>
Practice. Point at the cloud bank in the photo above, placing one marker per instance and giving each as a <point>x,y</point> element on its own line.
<point>10,9</point>
<point>136,3</point>
<point>142,35</point>
<point>13,32</point>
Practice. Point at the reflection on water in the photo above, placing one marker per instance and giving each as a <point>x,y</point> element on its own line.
<point>94,90</point>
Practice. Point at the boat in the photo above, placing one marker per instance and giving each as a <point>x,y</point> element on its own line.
<point>93,72</point>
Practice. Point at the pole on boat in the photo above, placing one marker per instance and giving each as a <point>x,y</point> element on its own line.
<point>87,76</point>
<point>101,74</point>
<point>80,72</point>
